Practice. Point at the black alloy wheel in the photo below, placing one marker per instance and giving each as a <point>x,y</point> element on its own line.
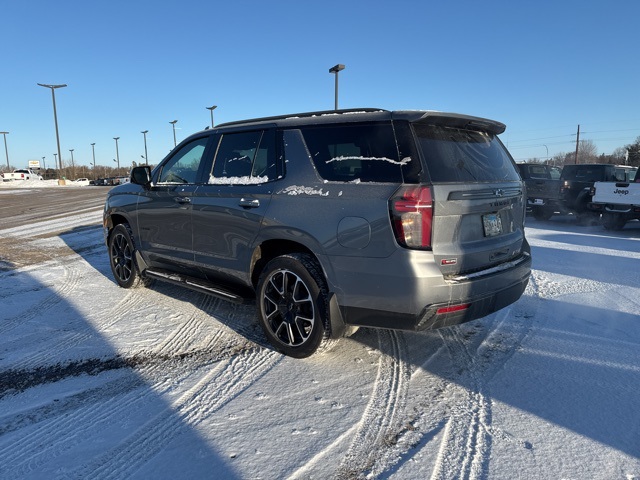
<point>292,303</point>
<point>121,257</point>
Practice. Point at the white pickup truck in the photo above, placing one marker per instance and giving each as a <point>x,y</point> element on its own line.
<point>21,174</point>
<point>618,202</point>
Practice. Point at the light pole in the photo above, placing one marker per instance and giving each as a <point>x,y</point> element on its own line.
<point>174,132</point>
<point>73,165</point>
<point>6,151</point>
<point>55,116</point>
<point>93,153</point>
<point>211,109</point>
<point>117,153</point>
<point>55,161</point>
<point>335,69</point>
<point>45,165</point>
<point>146,160</point>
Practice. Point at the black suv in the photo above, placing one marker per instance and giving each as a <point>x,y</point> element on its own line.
<point>543,189</point>
<point>330,221</point>
<point>576,182</point>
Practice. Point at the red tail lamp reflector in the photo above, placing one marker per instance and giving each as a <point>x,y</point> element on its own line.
<point>453,308</point>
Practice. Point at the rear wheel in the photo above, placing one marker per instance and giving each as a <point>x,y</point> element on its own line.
<point>121,257</point>
<point>542,213</point>
<point>293,305</point>
<point>613,221</point>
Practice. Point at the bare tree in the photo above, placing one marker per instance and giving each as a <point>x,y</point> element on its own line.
<point>587,152</point>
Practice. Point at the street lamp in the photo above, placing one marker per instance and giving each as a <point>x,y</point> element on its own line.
<point>6,152</point>
<point>335,69</point>
<point>45,165</point>
<point>55,115</point>
<point>55,161</point>
<point>73,165</point>
<point>174,132</point>
<point>211,109</point>
<point>93,152</point>
<point>117,153</point>
<point>146,160</point>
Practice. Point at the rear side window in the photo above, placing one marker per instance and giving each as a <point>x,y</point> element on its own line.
<point>245,158</point>
<point>458,155</point>
<point>355,153</point>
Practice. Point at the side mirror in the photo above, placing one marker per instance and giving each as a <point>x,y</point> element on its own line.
<point>141,176</point>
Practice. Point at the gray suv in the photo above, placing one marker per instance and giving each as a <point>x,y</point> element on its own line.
<point>330,221</point>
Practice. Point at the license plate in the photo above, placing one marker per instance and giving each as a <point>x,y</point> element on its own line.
<point>537,201</point>
<point>492,224</point>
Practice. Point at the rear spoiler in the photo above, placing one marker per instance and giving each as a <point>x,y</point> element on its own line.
<point>454,120</point>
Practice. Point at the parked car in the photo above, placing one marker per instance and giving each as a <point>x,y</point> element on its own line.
<point>577,180</point>
<point>21,174</point>
<point>330,221</point>
<point>617,202</point>
<point>81,182</point>
<point>543,189</point>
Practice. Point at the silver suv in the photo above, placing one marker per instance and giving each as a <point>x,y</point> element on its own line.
<point>330,221</point>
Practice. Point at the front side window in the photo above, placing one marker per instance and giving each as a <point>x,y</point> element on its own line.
<point>460,155</point>
<point>183,166</point>
<point>355,153</point>
<point>245,158</point>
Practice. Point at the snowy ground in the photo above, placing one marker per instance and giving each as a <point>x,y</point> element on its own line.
<point>101,382</point>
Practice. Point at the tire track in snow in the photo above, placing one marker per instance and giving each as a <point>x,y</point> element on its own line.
<point>129,302</point>
<point>381,421</point>
<point>466,446</point>
<point>465,450</point>
<point>54,296</point>
<point>48,227</point>
<point>217,388</point>
<point>61,427</point>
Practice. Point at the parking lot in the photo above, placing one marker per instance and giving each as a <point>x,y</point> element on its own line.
<point>97,381</point>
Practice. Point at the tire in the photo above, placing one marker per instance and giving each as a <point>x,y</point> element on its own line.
<point>542,213</point>
<point>292,303</point>
<point>121,257</point>
<point>587,219</point>
<point>613,221</point>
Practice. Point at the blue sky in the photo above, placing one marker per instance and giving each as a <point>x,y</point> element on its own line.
<point>541,67</point>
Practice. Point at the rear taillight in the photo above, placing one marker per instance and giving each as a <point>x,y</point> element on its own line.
<point>411,210</point>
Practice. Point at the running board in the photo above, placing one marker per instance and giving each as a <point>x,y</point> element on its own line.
<point>198,285</point>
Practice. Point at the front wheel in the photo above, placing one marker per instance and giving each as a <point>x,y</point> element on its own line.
<point>121,257</point>
<point>293,305</point>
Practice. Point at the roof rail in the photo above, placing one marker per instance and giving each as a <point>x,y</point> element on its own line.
<point>301,115</point>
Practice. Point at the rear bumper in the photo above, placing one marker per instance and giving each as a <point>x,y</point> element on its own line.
<point>631,210</point>
<point>430,319</point>
<point>435,303</point>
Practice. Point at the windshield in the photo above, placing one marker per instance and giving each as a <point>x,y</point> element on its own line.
<point>459,155</point>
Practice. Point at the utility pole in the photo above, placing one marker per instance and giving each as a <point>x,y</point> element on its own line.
<point>577,144</point>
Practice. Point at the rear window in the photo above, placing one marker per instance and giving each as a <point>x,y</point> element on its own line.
<point>355,153</point>
<point>585,173</point>
<point>459,155</point>
<point>624,174</point>
<point>539,171</point>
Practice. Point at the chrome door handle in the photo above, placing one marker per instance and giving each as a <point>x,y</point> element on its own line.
<point>182,200</point>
